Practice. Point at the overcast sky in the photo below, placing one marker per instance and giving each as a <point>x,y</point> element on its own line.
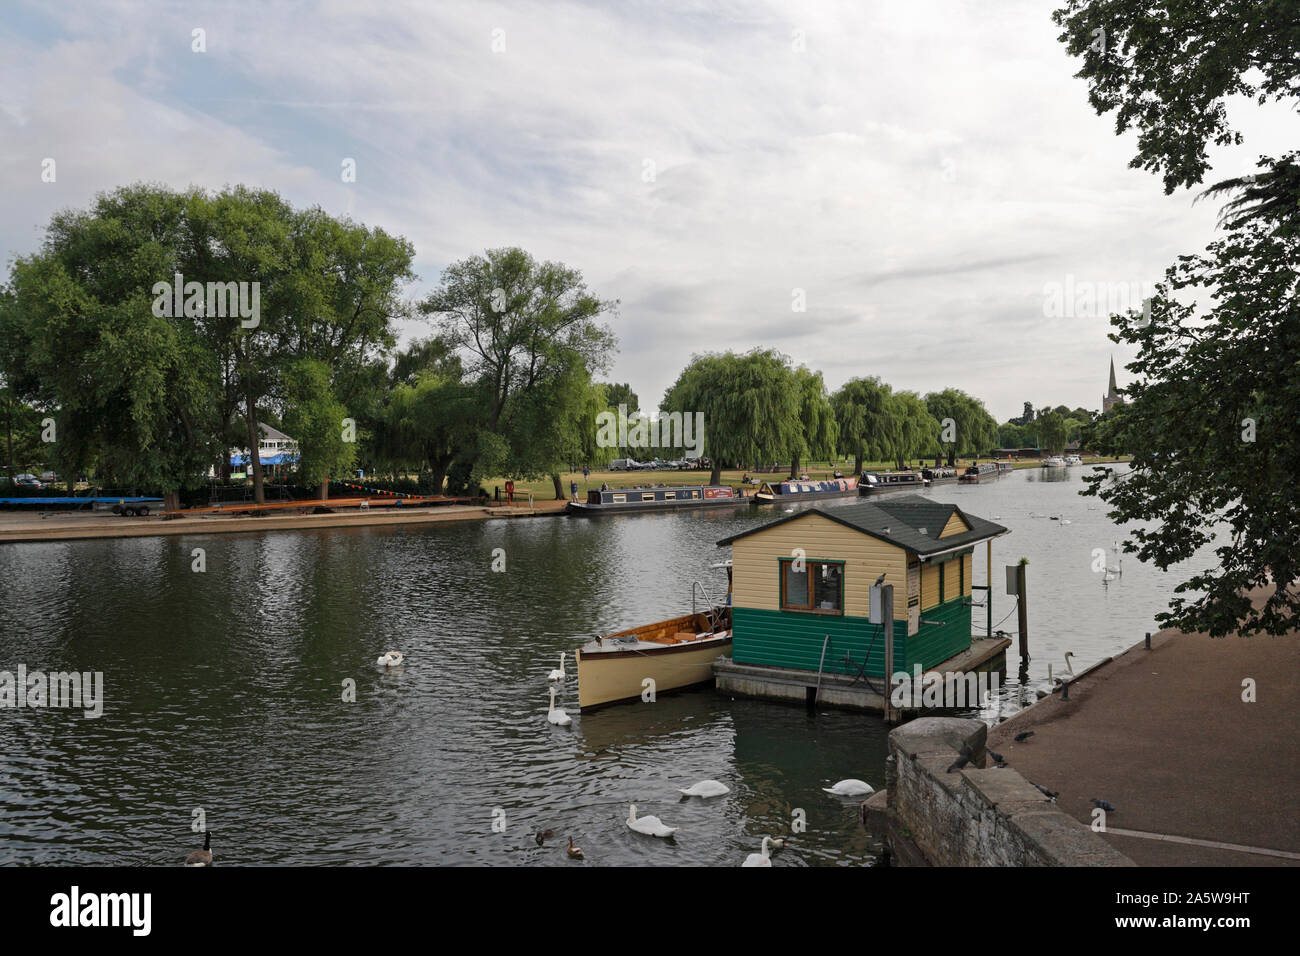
<point>924,171</point>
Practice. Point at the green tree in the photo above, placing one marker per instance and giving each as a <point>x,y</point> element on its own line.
<point>966,429</point>
<point>1053,431</point>
<point>316,419</point>
<point>815,438</point>
<point>864,416</point>
<point>750,406</point>
<point>1209,421</point>
<point>915,430</point>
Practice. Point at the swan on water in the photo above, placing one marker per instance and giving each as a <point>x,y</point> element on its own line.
<point>1068,667</point>
<point>850,788</point>
<point>390,659</point>
<point>763,858</point>
<point>557,674</point>
<point>705,788</point>
<point>557,716</point>
<point>651,826</point>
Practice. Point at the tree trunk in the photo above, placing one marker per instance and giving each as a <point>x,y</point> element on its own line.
<point>901,463</point>
<point>857,464</point>
<point>172,501</point>
<point>323,492</point>
<point>254,459</point>
<point>438,474</point>
<point>952,458</point>
<point>559,490</point>
<point>794,467</point>
<point>715,476</point>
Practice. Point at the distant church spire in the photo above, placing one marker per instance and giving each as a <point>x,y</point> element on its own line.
<point>1113,394</point>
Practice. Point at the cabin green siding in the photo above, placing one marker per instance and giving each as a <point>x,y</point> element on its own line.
<point>793,639</point>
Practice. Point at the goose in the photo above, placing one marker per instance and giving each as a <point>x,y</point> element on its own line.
<point>1068,667</point>
<point>763,858</point>
<point>705,788</point>
<point>557,716</point>
<point>390,659</point>
<point>557,674</point>
<point>850,788</point>
<point>202,857</point>
<point>575,852</point>
<point>651,826</point>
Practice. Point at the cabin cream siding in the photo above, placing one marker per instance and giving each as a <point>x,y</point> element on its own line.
<point>968,569</point>
<point>755,562</point>
<point>929,586</point>
<point>954,526</point>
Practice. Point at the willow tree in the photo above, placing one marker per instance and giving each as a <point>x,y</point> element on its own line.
<point>817,431</point>
<point>749,402</point>
<point>523,328</point>
<point>966,429</point>
<point>864,417</point>
<point>915,429</point>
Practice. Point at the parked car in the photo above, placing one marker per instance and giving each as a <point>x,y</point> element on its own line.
<point>27,481</point>
<point>48,476</point>
<point>624,464</point>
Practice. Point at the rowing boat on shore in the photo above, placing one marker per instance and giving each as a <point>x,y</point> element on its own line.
<point>769,493</point>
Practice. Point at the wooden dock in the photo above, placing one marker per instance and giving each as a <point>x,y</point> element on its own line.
<point>840,690</point>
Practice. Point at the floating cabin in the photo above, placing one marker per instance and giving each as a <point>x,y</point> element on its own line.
<point>795,628</point>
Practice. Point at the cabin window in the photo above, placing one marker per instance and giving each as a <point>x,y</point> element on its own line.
<point>816,586</point>
<point>619,498</point>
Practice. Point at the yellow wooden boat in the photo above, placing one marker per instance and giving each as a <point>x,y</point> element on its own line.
<point>640,663</point>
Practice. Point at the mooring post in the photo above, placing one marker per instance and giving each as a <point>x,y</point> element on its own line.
<point>887,626</point>
<point>1022,608</point>
<point>1148,640</point>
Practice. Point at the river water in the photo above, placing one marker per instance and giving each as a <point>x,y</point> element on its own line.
<point>224,691</point>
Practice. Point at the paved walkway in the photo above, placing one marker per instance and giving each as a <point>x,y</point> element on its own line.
<point>1165,737</point>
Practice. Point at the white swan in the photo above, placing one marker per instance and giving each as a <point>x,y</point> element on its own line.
<point>850,788</point>
<point>557,674</point>
<point>1068,666</point>
<point>651,826</point>
<point>760,859</point>
<point>705,788</point>
<point>557,716</point>
<point>390,659</point>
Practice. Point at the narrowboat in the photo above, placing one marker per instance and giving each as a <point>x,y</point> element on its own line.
<point>1005,468</point>
<point>879,482</point>
<point>982,472</point>
<point>939,475</point>
<point>805,490</point>
<point>621,500</point>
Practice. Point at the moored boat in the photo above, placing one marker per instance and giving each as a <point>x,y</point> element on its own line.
<point>663,656</point>
<point>805,490</point>
<point>982,472</point>
<point>1054,461</point>
<point>879,482</point>
<point>939,475</point>
<point>620,500</point>
<point>1005,468</point>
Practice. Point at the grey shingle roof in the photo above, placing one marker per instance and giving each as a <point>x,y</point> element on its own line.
<point>899,519</point>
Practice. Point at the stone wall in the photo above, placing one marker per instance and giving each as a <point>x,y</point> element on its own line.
<point>976,816</point>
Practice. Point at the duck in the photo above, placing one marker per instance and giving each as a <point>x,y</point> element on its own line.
<point>762,858</point>
<point>390,659</point>
<point>575,852</point>
<point>543,836</point>
<point>202,857</point>
<point>557,674</point>
<point>557,716</point>
<point>651,826</point>
<point>850,788</point>
<point>705,788</point>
